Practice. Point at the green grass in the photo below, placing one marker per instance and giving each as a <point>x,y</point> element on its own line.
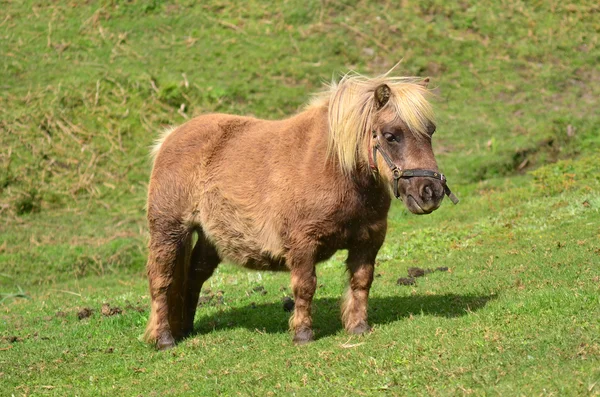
<point>84,90</point>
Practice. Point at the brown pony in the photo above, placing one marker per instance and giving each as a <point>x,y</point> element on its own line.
<point>285,195</point>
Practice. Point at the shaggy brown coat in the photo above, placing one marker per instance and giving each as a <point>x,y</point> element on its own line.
<point>284,195</point>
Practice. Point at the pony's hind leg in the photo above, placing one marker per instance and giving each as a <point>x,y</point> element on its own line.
<point>360,265</point>
<point>204,261</point>
<point>168,257</point>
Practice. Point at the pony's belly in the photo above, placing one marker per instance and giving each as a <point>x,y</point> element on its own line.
<point>250,256</point>
<point>245,236</point>
<point>250,250</point>
<point>265,262</point>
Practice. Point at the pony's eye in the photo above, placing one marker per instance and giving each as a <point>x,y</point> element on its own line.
<point>390,137</point>
<point>431,129</point>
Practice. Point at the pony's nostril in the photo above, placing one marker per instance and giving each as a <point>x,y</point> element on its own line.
<point>427,193</point>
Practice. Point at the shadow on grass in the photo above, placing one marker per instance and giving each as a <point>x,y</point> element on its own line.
<point>271,318</point>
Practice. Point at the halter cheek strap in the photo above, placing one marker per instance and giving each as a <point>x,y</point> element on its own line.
<point>398,174</point>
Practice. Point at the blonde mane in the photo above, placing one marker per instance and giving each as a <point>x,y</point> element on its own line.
<point>351,109</point>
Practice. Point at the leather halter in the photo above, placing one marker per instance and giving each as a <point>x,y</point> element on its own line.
<point>399,174</point>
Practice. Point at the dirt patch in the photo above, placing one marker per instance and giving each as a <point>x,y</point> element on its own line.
<point>406,281</point>
<point>205,299</point>
<point>415,272</point>
<point>208,298</point>
<point>139,309</point>
<point>288,304</point>
<point>84,313</point>
<point>420,272</point>
<point>108,311</point>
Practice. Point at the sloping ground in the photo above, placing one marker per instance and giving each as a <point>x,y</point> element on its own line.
<point>86,88</point>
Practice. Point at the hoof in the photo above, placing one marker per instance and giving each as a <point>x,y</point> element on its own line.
<point>303,336</point>
<point>165,342</point>
<point>362,328</point>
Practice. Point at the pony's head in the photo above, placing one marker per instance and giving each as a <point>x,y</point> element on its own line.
<point>385,124</point>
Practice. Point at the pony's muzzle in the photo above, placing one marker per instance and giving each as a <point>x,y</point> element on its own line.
<point>427,197</point>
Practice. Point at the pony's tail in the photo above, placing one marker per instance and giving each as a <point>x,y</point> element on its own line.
<point>155,148</point>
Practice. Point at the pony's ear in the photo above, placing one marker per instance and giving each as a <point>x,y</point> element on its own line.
<point>382,95</point>
<point>424,82</point>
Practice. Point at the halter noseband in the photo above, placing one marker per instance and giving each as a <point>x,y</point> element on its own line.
<point>399,174</point>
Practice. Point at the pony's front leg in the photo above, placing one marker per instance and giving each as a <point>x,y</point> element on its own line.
<point>361,264</point>
<point>304,284</point>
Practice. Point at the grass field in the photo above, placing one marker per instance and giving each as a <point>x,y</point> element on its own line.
<point>85,88</point>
